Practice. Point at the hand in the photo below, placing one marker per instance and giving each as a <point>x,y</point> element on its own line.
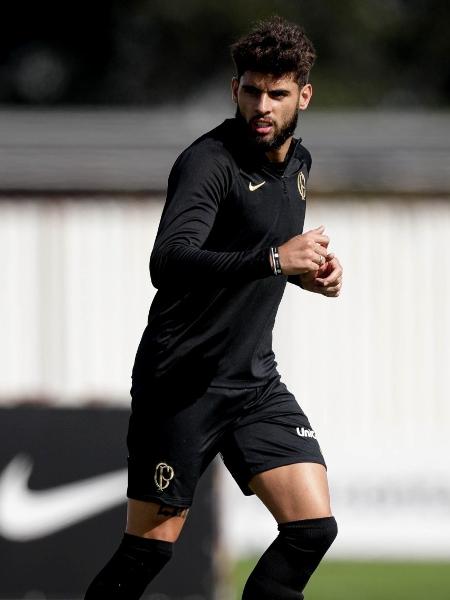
<point>304,253</point>
<point>327,280</point>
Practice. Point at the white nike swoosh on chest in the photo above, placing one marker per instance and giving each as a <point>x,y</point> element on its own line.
<point>252,187</point>
<point>28,514</point>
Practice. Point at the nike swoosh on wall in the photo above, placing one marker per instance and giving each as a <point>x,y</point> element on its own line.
<point>27,515</point>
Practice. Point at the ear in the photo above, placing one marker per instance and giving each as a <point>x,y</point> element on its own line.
<point>305,96</point>
<point>234,89</point>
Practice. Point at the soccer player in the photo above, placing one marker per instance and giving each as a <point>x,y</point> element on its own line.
<point>205,379</point>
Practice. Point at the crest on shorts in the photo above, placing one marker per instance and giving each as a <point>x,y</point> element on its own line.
<point>301,184</point>
<point>164,474</point>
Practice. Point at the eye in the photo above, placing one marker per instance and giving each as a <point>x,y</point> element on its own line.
<point>278,94</point>
<point>250,90</point>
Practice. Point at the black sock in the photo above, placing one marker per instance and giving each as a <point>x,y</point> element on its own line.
<point>137,561</point>
<point>284,569</point>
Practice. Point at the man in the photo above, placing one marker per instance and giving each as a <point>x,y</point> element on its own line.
<point>205,378</point>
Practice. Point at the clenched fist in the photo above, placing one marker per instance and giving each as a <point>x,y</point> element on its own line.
<point>304,253</point>
<point>327,280</point>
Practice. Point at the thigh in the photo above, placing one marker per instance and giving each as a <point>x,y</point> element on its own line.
<point>170,442</point>
<point>294,492</point>
<point>160,469</point>
<point>273,433</point>
<point>169,445</point>
<point>155,521</point>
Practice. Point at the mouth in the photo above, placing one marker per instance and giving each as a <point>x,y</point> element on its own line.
<point>261,126</point>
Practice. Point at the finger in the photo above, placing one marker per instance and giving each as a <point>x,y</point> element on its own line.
<point>327,282</point>
<point>330,280</point>
<point>333,277</point>
<point>335,260</point>
<point>312,267</point>
<point>318,254</point>
<point>323,292</point>
<point>319,238</point>
<point>331,294</point>
<point>319,259</point>
<point>316,231</point>
<point>319,249</point>
<point>332,289</point>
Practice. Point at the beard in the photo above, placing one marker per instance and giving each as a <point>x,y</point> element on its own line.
<point>280,136</point>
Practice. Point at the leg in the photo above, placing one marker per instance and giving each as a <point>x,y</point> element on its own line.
<point>171,440</point>
<point>297,495</point>
<point>273,452</point>
<point>155,521</point>
<point>294,492</point>
<point>146,547</point>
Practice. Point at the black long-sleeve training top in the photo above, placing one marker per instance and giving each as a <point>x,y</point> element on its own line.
<point>217,298</point>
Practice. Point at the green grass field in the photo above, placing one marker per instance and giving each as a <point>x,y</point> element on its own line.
<point>342,580</point>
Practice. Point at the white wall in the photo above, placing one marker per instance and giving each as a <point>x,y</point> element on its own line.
<point>371,368</point>
<point>372,371</point>
<point>77,296</point>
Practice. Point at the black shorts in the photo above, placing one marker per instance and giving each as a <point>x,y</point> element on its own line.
<point>170,443</point>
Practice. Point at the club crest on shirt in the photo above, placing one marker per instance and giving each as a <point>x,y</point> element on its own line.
<point>164,474</point>
<point>301,184</point>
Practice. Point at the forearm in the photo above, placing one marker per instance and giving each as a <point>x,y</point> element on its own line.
<point>182,263</point>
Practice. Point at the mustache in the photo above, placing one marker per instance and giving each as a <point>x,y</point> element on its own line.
<point>281,136</point>
<point>263,119</point>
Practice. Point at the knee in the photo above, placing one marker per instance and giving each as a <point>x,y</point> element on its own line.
<point>285,568</point>
<point>136,562</point>
<point>313,535</point>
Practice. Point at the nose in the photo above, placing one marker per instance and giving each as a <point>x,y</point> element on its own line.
<point>264,105</point>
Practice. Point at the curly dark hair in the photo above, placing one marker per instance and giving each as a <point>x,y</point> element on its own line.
<point>275,46</point>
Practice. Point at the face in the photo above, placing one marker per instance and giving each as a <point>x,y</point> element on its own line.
<point>269,106</point>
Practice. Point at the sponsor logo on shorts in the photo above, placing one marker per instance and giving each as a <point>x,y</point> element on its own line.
<point>164,474</point>
<point>306,432</point>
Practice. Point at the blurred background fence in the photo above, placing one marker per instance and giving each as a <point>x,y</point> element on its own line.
<point>77,225</point>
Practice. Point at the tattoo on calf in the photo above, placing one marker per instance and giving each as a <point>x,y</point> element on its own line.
<point>172,511</point>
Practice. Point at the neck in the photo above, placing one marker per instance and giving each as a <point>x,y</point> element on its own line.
<point>279,154</point>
